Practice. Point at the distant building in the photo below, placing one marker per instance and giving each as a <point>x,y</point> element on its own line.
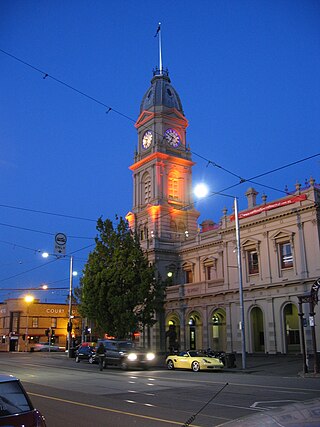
<point>279,243</point>
<point>24,324</point>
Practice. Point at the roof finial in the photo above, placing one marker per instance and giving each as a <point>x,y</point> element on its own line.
<point>160,48</point>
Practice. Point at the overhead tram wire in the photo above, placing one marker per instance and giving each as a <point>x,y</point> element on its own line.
<point>46,263</point>
<point>42,232</point>
<point>48,213</point>
<point>46,75</point>
<point>242,180</point>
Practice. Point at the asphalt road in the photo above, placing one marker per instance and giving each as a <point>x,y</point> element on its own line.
<point>78,395</point>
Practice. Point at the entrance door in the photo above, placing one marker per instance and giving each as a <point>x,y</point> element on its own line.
<point>218,331</point>
<point>257,330</point>
<point>13,344</point>
<point>292,333</point>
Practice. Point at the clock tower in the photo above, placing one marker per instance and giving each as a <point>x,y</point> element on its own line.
<point>163,208</point>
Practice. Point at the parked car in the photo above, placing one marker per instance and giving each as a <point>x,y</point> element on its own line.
<point>86,352</point>
<point>16,408</point>
<point>124,354</point>
<point>44,346</point>
<point>193,359</point>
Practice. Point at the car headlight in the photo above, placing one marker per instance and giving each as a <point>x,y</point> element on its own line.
<point>132,357</point>
<point>206,361</point>
<point>150,356</point>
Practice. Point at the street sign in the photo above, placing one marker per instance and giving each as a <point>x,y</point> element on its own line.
<point>60,241</point>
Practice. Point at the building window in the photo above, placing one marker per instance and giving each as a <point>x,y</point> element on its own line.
<point>286,256</point>
<point>189,276</point>
<point>146,188</point>
<point>14,321</point>
<point>35,322</point>
<point>173,190</point>
<point>53,322</point>
<point>253,262</point>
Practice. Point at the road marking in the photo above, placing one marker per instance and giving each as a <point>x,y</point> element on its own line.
<point>116,411</point>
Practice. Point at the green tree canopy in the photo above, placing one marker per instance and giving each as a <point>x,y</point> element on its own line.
<point>118,290</point>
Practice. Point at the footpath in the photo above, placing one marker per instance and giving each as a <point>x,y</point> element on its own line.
<point>279,365</point>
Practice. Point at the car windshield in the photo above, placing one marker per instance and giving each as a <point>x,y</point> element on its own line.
<point>197,353</point>
<point>12,399</point>
<point>125,345</point>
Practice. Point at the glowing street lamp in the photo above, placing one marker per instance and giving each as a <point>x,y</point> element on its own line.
<point>28,299</point>
<point>201,190</point>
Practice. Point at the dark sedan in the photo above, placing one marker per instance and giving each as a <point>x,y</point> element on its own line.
<point>86,352</point>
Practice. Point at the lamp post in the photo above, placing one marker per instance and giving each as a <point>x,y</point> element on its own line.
<point>243,335</point>
<point>71,274</point>
<point>28,299</point>
<point>70,306</point>
<point>202,191</point>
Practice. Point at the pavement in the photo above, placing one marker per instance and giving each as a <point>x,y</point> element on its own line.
<point>274,364</point>
<point>282,365</point>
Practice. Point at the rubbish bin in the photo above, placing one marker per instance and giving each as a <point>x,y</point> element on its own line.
<point>230,359</point>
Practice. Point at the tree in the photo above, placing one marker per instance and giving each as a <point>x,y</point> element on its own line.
<point>118,290</point>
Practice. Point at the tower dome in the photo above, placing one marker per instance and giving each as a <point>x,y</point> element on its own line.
<point>161,93</point>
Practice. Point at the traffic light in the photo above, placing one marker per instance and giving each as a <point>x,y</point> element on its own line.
<point>52,332</point>
<point>47,331</point>
<point>69,326</point>
<point>24,337</point>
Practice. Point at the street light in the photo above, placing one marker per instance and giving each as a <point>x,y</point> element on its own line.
<point>72,274</point>
<point>28,299</point>
<point>70,317</point>
<point>201,190</point>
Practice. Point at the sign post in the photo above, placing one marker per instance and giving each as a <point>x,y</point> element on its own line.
<point>60,241</point>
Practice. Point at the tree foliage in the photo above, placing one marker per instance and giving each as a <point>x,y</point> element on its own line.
<point>118,290</point>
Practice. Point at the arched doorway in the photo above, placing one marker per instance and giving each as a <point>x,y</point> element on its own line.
<point>291,325</point>
<point>173,334</point>
<point>195,335</point>
<point>218,335</point>
<point>257,329</point>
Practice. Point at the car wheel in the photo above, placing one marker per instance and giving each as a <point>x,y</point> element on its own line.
<point>90,360</point>
<point>77,359</point>
<point>124,365</point>
<point>170,365</point>
<point>195,366</point>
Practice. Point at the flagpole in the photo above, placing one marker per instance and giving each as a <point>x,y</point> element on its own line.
<point>160,49</point>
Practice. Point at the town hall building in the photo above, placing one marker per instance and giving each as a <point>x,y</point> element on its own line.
<point>279,247</point>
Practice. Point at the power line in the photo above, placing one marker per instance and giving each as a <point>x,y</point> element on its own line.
<point>209,162</point>
<point>41,232</point>
<point>48,213</point>
<point>46,75</point>
<point>46,263</point>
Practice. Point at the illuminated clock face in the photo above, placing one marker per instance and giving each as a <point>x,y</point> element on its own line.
<point>147,139</point>
<point>172,137</point>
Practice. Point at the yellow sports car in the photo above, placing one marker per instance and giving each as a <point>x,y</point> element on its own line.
<point>193,359</point>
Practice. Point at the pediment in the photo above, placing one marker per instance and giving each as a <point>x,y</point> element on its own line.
<point>282,234</point>
<point>144,118</point>
<point>250,242</point>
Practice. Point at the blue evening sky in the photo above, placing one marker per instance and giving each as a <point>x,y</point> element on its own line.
<point>248,76</point>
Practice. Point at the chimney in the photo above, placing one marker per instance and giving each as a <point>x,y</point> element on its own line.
<point>251,197</point>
